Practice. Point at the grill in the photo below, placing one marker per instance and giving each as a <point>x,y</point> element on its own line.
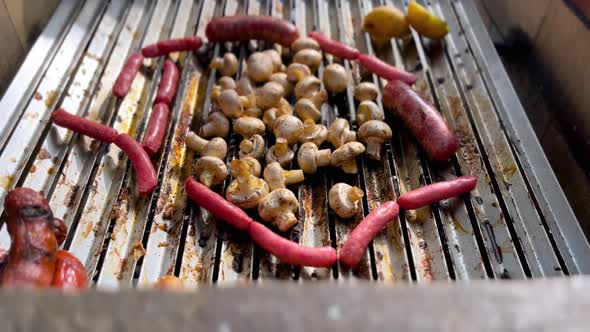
<point>517,223</point>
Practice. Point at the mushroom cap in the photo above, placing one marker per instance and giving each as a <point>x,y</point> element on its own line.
<point>281,78</point>
<point>279,206</point>
<point>307,87</point>
<point>302,43</point>
<point>368,110</point>
<point>313,132</point>
<point>211,170</point>
<point>226,82</point>
<point>248,126</point>
<point>217,147</point>
<point>274,155</point>
<point>306,109</point>
<point>297,72</point>
<point>335,78</point>
<point>339,133</point>
<point>229,65</point>
<point>244,86</point>
<point>253,165</point>
<point>273,175</point>
<point>230,103</point>
<point>374,129</point>
<point>310,57</point>
<point>217,125</point>
<point>365,91</point>
<point>259,67</point>
<point>269,95</point>
<point>306,157</point>
<point>340,202</point>
<point>275,58</point>
<point>257,145</point>
<point>249,199</point>
<point>346,152</point>
<point>288,127</point>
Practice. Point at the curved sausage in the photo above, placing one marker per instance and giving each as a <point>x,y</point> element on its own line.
<point>147,180</point>
<point>31,258</point>
<point>334,47</point>
<point>127,75</point>
<point>435,192</point>
<point>291,252</point>
<point>69,272</point>
<point>84,126</point>
<point>164,47</point>
<point>168,84</point>
<point>355,246</point>
<point>422,119</point>
<point>156,129</point>
<point>246,27</point>
<point>385,70</point>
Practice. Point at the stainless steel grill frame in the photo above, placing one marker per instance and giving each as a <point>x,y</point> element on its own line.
<point>516,224</point>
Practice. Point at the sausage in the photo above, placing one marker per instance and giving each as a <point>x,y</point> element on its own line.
<point>168,84</point>
<point>147,179</point>
<point>127,74</point>
<point>385,70</point>
<point>70,273</point>
<point>246,27</point>
<point>164,47</point>
<point>33,249</point>
<point>355,246</point>
<point>422,119</point>
<point>156,129</point>
<point>435,192</point>
<point>290,252</point>
<point>84,126</point>
<point>334,47</point>
<point>217,205</point>
<point>61,231</point>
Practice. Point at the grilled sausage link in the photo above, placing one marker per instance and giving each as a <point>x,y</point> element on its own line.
<point>69,272</point>
<point>246,27</point>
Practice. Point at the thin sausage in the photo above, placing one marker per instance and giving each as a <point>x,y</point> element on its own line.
<point>156,129</point>
<point>70,273</point>
<point>422,119</point>
<point>435,192</point>
<point>217,205</point>
<point>145,174</point>
<point>246,27</point>
<point>355,246</point>
<point>84,126</point>
<point>334,47</point>
<point>164,47</point>
<point>168,84</point>
<point>385,70</point>
<point>127,75</point>
<point>31,258</point>
<point>291,252</point>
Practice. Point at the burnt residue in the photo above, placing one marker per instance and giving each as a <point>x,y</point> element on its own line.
<point>497,250</point>
<point>35,212</point>
<point>237,262</point>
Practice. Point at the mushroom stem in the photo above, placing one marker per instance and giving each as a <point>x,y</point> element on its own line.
<point>294,176</point>
<point>285,221</point>
<point>281,147</point>
<point>374,148</point>
<point>323,157</point>
<point>308,127</point>
<point>349,166</point>
<point>195,142</point>
<point>355,194</point>
<point>246,146</point>
<point>206,178</point>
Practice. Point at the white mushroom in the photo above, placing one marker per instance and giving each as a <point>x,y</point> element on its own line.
<point>231,104</point>
<point>254,166</point>
<point>307,87</point>
<point>281,78</point>
<point>345,156</point>
<point>310,157</point>
<point>277,62</point>
<point>244,86</point>
<point>374,133</point>
<point>312,132</point>
<point>280,152</point>
<point>306,110</point>
<point>227,65</point>
<point>339,133</point>
<point>216,147</point>
<point>226,82</point>
<point>279,207</point>
<point>269,95</point>
<point>252,147</point>
<point>297,71</point>
<point>368,110</point>
<point>310,57</point>
<point>319,98</point>
<point>260,67</point>
<point>215,92</point>
<point>288,127</point>
<point>272,114</point>
<point>211,171</point>
<point>345,200</point>
<point>253,112</point>
<point>365,91</point>
<point>247,126</point>
<point>246,190</point>
<point>335,78</point>
<point>277,177</point>
<point>217,125</point>
<point>302,43</point>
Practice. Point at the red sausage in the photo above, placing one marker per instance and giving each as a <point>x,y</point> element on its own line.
<point>156,129</point>
<point>217,205</point>
<point>423,120</point>
<point>33,248</point>
<point>84,126</point>
<point>291,252</point>
<point>127,74</point>
<point>164,47</point>
<point>246,27</point>
<point>70,273</point>
<point>435,192</point>
<point>385,70</point>
<point>334,47</point>
<point>354,248</point>
<point>147,179</point>
<point>168,83</point>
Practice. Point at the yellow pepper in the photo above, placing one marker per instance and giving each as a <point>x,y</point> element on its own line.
<point>425,22</point>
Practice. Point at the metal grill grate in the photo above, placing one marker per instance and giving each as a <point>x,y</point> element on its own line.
<point>516,224</point>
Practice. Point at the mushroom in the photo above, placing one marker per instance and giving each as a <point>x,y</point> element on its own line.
<point>244,87</point>
<point>281,78</point>
<point>216,147</point>
<point>374,133</point>
<point>275,57</point>
<point>260,67</point>
<point>288,127</point>
<point>365,91</point>
<point>307,87</point>
<point>310,157</point>
<point>272,114</point>
<point>210,170</point>
<point>215,92</point>
<point>310,57</point>
<point>279,207</point>
<point>277,177</point>
<point>319,98</point>
<point>335,78</point>
<point>285,107</point>
<point>231,104</point>
<point>253,112</point>
<point>227,65</point>
<point>345,200</point>
<point>306,110</point>
<point>252,147</point>
<point>297,71</point>
<point>345,156</point>
<point>253,165</point>
<point>280,152</point>
<point>217,125</point>
<point>226,82</point>
<point>339,133</point>
<point>312,132</point>
<point>246,190</point>
<point>269,95</point>
<point>368,110</point>
<point>247,126</point>
<point>303,43</point>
